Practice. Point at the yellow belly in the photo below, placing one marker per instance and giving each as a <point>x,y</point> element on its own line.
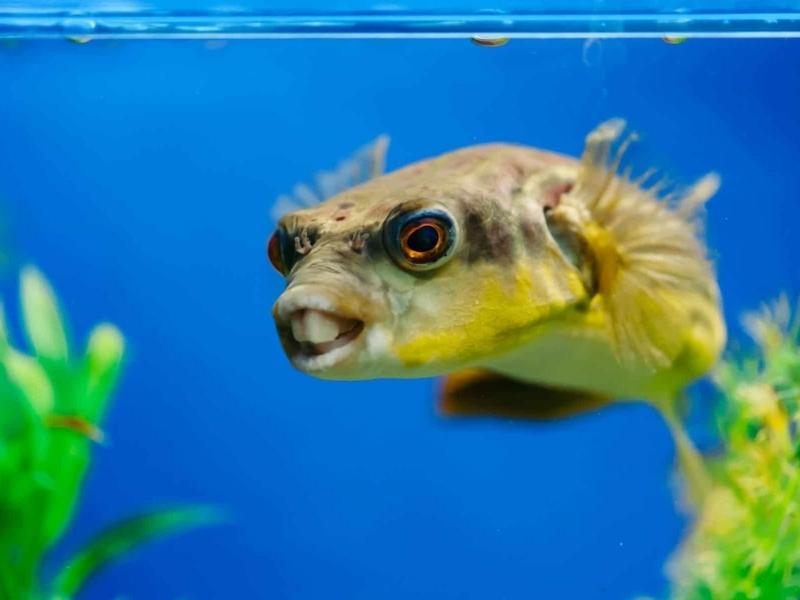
<point>579,354</point>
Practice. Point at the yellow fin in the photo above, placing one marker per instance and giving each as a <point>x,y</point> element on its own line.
<point>691,465</point>
<point>477,392</point>
<point>649,267</point>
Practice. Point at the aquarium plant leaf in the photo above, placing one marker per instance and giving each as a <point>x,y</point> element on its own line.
<point>66,463</point>
<point>3,331</point>
<point>124,537</point>
<point>43,322</point>
<point>31,379</point>
<point>69,449</point>
<point>104,355</point>
<point>16,411</point>
<point>746,540</point>
<point>51,405</point>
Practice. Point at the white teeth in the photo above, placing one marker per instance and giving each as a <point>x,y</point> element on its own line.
<point>316,327</point>
<point>320,328</point>
<point>299,326</point>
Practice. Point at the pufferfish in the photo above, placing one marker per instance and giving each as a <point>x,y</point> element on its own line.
<point>537,284</point>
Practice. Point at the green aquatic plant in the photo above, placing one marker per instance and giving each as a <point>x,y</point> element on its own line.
<point>745,542</point>
<point>51,405</point>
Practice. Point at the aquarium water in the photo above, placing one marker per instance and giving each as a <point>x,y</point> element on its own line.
<point>142,151</point>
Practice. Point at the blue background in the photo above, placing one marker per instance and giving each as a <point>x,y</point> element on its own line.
<point>139,177</point>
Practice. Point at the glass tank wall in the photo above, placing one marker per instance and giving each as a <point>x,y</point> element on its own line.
<point>139,176</point>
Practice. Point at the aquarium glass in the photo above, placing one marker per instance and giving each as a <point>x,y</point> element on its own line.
<point>144,150</point>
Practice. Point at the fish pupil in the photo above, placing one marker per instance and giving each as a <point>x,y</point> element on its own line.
<point>423,239</point>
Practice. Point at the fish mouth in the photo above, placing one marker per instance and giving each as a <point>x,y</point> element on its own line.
<point>315,334</point>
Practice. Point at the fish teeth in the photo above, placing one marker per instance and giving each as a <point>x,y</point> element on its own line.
<point>298,322</point>
<point>320,327</point>
<point>314,326</point>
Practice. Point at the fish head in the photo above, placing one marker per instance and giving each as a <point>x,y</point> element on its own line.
<point>426,270</point>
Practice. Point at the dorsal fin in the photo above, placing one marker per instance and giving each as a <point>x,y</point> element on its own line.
<point>368,162</point>
<point>646,256</point>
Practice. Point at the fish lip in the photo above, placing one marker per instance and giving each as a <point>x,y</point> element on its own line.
<point>306,359</point>
<point>303,355</point>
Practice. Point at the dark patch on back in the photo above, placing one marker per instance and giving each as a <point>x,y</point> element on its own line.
<point>531,234</point>
<point>488,240</point>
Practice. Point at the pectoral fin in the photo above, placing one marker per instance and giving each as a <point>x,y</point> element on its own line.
<point>477,392</point>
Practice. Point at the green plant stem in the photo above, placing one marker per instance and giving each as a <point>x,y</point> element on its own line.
<point>8,587</point>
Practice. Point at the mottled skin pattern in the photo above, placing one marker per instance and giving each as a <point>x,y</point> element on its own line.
<point>502,232</point>
<point>564,274</point>
<point>565,278</point>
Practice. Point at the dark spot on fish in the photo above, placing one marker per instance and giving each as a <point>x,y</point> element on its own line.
<point>346,205</point>
<point>531,234</point>
<point>340,218</point>
<point>489,241</point>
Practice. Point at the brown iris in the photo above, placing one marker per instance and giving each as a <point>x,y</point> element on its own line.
<point>423,241</point>
<point>274,253</point>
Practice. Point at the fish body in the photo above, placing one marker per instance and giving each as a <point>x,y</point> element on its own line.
<point>538,284</point>
<point>557,271</point>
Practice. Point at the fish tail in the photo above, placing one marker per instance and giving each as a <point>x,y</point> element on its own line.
<point>691,466</point>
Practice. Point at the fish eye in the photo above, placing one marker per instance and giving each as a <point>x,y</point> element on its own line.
<point>420,239</point>
<point>423,240</point>
<point>275,252</point>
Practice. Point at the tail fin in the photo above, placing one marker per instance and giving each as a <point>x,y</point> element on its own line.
<point>691,465</point>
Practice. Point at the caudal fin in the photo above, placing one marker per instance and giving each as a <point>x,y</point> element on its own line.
<point>691,466</point>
